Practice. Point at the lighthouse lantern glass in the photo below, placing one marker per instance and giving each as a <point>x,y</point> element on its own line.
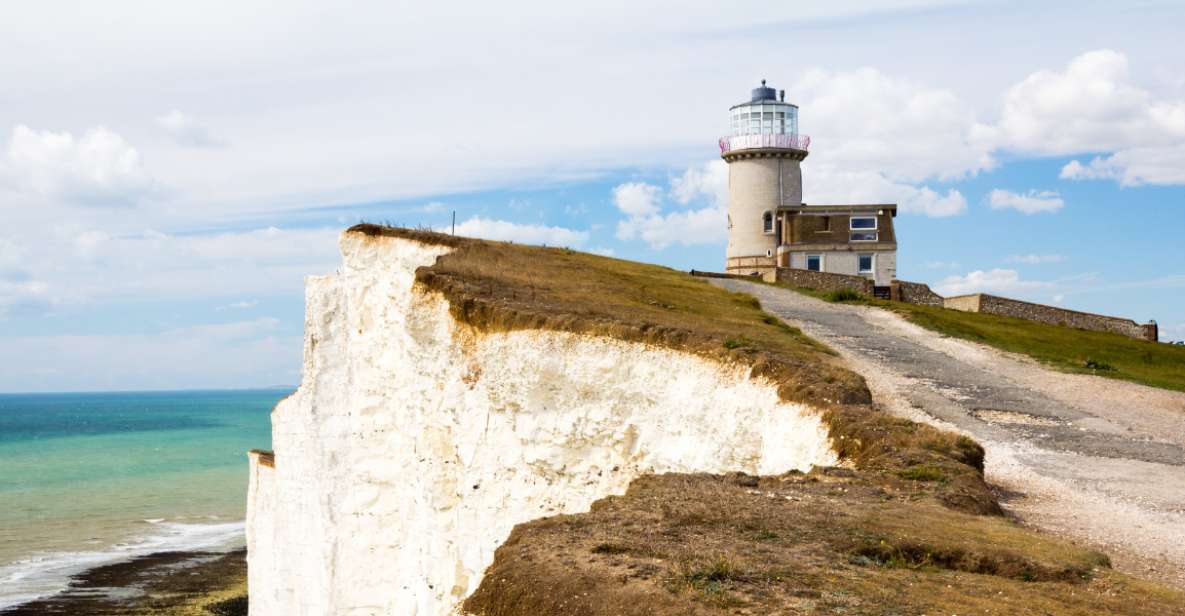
<point>765,118</point>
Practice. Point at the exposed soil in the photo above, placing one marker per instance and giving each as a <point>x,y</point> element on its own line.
<point>163,584</point>
<point>1097,460</point>
<point>829,542</point>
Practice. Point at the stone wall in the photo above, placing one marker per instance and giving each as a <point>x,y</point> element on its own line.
<point>966,303</point>
<point>822,281</point>
<point>915,293</point>
<point>1003,306</point>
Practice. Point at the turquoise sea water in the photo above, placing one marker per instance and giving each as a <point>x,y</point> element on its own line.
<point>87,479</point>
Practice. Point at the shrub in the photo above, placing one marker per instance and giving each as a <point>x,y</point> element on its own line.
<point>844,295</point>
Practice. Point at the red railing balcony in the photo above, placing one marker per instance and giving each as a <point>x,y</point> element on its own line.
<point>764,141</point>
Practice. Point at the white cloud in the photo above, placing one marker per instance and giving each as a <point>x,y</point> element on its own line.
<point>646,220</point>
<point>1091,106</point>
<point>996,281</point>
<point>637,198</point>
<point>522,233</point>
<point>867,121</point>
<point>686,227</point>
<point>1032,202</point>
<point>69,268</point>
<point>98,169</point>
<point>1058,298</point>
<point>708,181</point>
<point>603,251</point>
<point>186,131</point>
<point>1036,259</point>
<point>1133,167</point>
<point>826,185</point>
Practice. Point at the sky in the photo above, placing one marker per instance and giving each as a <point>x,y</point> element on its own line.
<point>170,173</point>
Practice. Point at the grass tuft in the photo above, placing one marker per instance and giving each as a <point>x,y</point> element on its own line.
<point>845,295</point>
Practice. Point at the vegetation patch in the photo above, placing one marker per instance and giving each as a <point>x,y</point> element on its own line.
<point>845,295</point>
<point>848,543</point>
<point>923,472</point>
<point>1061,348</point>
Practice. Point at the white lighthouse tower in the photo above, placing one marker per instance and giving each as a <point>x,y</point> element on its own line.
<point>763,151</point>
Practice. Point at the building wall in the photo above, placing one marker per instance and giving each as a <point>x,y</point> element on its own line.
<point>846,262</point>
<point>756,186</point>
<point>815,229</point>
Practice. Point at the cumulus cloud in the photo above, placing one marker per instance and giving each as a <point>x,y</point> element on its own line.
<point>97,169</point>
<point>827,185</point>
<point>868,120</point>
<point>186,131</point>
<point>1133,167</point>
<point>1031,202</point>
<point>637,198</point>
<point>646,220</point>
<point>996,281</point>
<point>708,181</point>
<point>685,227</point>
<point>1036,259</point>
<point>1093,105</point>
<point>522,233</point>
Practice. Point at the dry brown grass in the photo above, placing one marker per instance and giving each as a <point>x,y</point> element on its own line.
<point>828,542</point>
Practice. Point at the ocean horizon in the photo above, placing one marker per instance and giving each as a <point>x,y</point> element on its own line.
<point>92,478</point>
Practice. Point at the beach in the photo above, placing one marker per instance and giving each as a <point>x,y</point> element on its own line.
<point>117,486</point>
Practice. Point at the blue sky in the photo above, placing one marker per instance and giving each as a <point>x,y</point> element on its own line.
<point>169,174</point>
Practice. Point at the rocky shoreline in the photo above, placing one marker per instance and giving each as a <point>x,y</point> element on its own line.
<point>165,583</point>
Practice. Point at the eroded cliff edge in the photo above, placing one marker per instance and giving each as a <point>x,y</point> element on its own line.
<point>455,388</point>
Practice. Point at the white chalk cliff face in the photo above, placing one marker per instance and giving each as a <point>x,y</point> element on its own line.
<point>415,443</point>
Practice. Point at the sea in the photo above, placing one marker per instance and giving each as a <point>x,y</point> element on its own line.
<point>88,479</point>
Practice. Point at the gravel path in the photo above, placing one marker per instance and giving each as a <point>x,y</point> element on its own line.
<point>1096,460</point>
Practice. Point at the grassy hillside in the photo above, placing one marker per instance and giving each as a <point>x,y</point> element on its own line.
<point>828,542</point>
<point>1064,348</point>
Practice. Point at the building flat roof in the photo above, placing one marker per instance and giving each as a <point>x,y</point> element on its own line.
<point>846,207</point>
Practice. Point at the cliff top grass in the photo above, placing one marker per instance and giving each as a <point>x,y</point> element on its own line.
<point>499,286</point>
<point>1060,347</point>
<point>828,542</point>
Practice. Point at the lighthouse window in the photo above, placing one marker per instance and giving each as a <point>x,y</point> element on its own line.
<point>767,222</point>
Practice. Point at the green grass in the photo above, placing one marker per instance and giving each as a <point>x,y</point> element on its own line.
<point>1063,348</point>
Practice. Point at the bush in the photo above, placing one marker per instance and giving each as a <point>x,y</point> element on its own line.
<point>844,295</point>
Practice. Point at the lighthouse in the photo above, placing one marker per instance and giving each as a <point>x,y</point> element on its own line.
<point>771,232</point>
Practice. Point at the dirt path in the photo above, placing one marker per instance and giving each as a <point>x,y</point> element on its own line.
<point>1093,459</point>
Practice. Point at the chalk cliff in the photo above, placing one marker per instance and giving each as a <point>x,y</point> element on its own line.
<point>416,442</point>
